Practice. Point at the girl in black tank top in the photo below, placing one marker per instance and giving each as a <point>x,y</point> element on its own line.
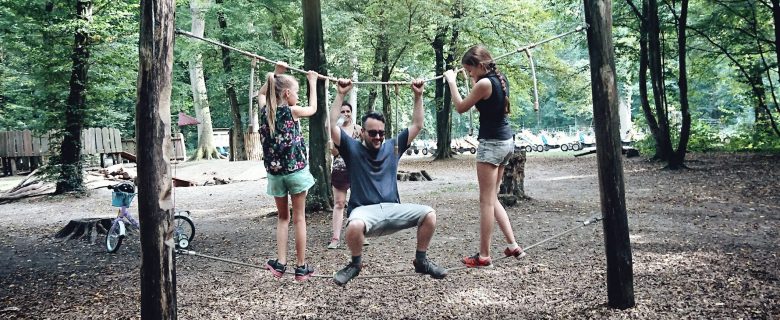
<point>490,95</point>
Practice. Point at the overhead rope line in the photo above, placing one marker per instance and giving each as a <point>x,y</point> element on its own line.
<point>590,221</point>
<point>261,58</point>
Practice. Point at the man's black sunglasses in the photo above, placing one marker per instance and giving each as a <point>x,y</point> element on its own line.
<point>373,133</point>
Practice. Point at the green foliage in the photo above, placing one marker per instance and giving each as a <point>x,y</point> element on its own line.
<point>703,137</point>
<point>749,138</point>
<point>35,46</point>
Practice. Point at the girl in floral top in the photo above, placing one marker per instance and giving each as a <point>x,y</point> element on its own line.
<point>284,155</point>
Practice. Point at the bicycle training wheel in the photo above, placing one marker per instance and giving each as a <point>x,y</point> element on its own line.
<point>183,231</point>
<point>114,237</point>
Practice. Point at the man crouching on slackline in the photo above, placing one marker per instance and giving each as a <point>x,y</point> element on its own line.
<point>374,208</point>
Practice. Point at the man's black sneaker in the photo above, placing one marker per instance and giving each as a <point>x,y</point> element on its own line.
<point>428,267</point>
<point>302,273</point>
<point>276,268</point>
<point>344,275</point>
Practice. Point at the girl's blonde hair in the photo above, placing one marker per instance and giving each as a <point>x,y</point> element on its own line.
<point>276,84</point>
<point>480,56</point>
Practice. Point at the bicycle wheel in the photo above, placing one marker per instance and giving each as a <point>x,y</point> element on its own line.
<point>114,237</point>
<point>183,231</point>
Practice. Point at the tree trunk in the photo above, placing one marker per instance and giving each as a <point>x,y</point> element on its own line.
<point>320,197</point>
<point>776,20</point>
<point>206,148</point>
<point>238,152</point>
<point>71,173</point>
<point>254,124</point>
<point>380,61</point>
<point>644,62</point>
<point>153,130</point>
<point>443,111</point>
<point>678,160</point>
<point>655,50</point>
<point>353,93</point>
<point>620,278</point>
<point>387,108</point>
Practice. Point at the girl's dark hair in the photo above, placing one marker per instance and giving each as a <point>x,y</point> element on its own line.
<point>478,56</point>
<point>348,105</point>
<point>376,115</point>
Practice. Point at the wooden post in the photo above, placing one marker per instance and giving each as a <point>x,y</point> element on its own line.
<point>153,130</point>
<point>620,277</point>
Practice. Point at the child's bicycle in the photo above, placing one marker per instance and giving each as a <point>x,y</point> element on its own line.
<point>122,197</point>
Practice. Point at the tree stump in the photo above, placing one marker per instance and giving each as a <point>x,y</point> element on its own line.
<point>511,189</point>
<point>86,229</point>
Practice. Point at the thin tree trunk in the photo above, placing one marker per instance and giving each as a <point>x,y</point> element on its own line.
<point>620,278</point>
<point>380,60</point>
<point>238,153</point>
<point>153,130</point>
<point>776,20</point>
<point>320,196</point>
<point>678,160</point>
<point>443,111</point>
<point>652,123</point>
<point>664,149</point>
<point>71,175</point>
<point>254,125</point>
<point>206,148</point>
<point>353,94</point>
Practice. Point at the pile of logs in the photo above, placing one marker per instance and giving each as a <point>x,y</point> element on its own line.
<point>414,176</point>
<point>36,185</point>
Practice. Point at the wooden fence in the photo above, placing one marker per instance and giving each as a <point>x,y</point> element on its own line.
<point>29,149</point>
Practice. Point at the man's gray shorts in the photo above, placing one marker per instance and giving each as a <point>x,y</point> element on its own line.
<point>386,218</point>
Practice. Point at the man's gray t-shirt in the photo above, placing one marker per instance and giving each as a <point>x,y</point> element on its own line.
<point>372,175</point>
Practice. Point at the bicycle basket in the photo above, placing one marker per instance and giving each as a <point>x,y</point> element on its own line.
<point>121,199</point>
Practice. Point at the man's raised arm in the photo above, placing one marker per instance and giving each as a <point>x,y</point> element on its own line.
<point>418,115</point>
<point>343,86</point>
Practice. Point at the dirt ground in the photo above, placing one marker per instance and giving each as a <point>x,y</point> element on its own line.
<point>704,240</point>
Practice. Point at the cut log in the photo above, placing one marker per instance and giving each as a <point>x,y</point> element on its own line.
<point>86,229</point>
<point>426,175</point>
<point>177,182</point>
<point>511,189</point>
<point>221,180</point>
<point>128,156</point>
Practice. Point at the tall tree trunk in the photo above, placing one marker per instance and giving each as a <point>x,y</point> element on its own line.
<point>71,176</point>
<point>320,197</point>
<point>441,97</point>
<point>238,152</point>
<point>644,61</point>
<point>655,51</point>
<point>254,124</point>
<point>776,20</point>
<point>387,110</point>
<point>756,80</point>
<point>353,94</point>
<point>206,148</point>
<point>153,130</point>
<point>380,61</point>
<point>678,160</point>
<point>620,278</point>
